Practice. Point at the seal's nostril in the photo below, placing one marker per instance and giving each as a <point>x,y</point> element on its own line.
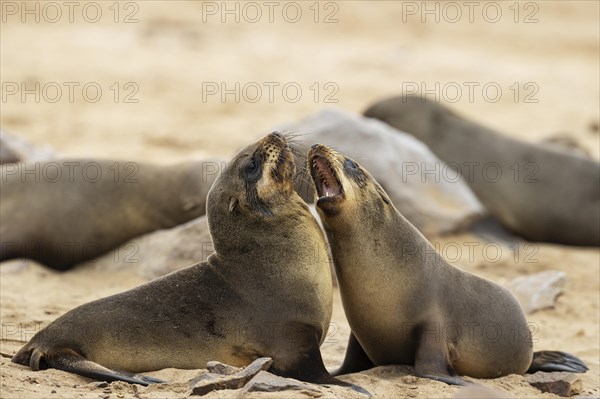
<point>315,146</point>
<point>278,135</point>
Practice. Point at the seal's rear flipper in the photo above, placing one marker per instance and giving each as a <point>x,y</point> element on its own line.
<point>489,229</point>
<point>556,361</point>
<point>148,379</point>
<point>70,361</point>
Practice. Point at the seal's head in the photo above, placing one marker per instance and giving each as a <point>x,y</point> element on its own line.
<point>253,191</point>
<point>258,180</point>
<point>345,191</point>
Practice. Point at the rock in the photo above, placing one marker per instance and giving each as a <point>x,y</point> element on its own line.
<point>425,190</point>
<point>16,149</point>
<point>561,383</point>
<point>160,252</point>
<point>214,382</point>
<point>99,384</point>
<point>262,363</point>
<point>221,368</point>
<point>267,382</point>
<point>538,291</point>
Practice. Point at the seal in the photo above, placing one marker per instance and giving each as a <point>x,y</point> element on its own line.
<point>513,179</point>
<point>265,292</point>
<point>61,213</point>
<point>405,304</point>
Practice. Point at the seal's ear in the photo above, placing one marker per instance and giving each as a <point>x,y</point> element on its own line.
<point>233,203</point>
<point>383,194</point>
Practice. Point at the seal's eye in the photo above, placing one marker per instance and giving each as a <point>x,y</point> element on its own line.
<point>252,167</point>
<point>350,165</point>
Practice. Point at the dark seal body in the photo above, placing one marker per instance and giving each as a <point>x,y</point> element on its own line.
<point>536,191</point>
<point>60,213</point>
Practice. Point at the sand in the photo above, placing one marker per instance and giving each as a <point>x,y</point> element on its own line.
<point>172,57</point>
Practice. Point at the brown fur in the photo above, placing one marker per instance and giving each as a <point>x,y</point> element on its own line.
<point>404,302</point>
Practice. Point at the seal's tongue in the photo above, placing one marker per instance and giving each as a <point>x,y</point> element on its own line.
<point>325,179</point>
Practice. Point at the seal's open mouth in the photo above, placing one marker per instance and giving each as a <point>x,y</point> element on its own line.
<point>326,181</point>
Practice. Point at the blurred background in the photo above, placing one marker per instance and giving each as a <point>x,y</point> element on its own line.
<point>166,80</point>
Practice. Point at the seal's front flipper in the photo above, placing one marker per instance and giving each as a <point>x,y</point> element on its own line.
<point>307,363</point>
<point>556,361</point>
<point>70,361</point>
<point>355,360</point>
<point>432,360</point>
<point>446,379</point>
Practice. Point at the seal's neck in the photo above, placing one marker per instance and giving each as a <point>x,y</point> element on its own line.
<point>263,242</point>
<point>388,245</point>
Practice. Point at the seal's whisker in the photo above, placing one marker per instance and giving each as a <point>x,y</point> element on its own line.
<point>304,180</point>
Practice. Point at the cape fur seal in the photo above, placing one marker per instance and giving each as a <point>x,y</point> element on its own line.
<point>405,304</point>
<point>536,191</point>
<point>60,213</point>
<point>265,292</point>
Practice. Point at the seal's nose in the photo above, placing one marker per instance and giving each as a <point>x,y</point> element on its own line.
<point>314,146</point>
<point>278,135</point>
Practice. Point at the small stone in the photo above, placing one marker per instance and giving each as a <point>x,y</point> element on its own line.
<point>260,364</point>
<point>538,291</point>
<point>214,382</point>
<point>120,395</point>
<point>267,382</point>
<point>561,383</point>
<point>221,368</point>
<point>105,396</point>
<point>409,379</point>
<point>53,391</point>
<point>32,380</point>
<point>99,384</point>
